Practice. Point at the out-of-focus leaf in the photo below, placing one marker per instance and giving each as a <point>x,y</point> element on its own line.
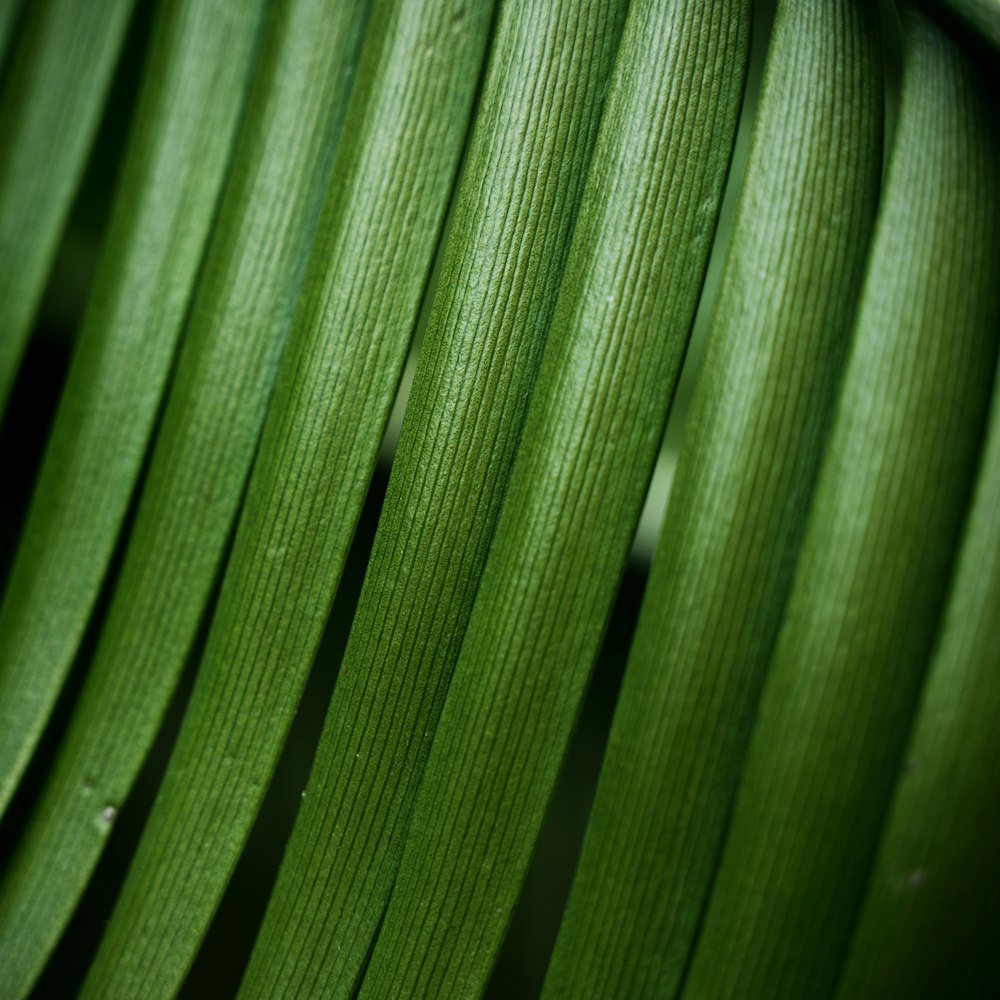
<point>983,15</point>
<point>54,89</point>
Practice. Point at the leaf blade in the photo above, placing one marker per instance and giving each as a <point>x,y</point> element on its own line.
<point>929,920</point>
<point>576,488</point>
<point>376,237</point>
<point>236,330</point>
<point>870,583</point>
<point>57,82</point>
<point>723,565</point>
<point>174,169</point>
<point>515,213</point>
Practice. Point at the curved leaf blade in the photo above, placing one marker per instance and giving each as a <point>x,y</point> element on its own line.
<point>870,584</point>
<point>928,927</point>
<point>241,311</point>
<point>58,78</point>
<point>514,218</point>
<point>594,423</point>
<point>375,243</point>
<point>174,168</point>
<point>723,566</point>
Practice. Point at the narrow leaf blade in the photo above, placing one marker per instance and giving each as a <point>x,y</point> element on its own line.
<point>870,584</point>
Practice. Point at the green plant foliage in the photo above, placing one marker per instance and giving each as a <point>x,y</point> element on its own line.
<point>737,509</point>
<point>54,87</point>
<point>8,17</point>
<point>175,166</point>
<point>597,412</point>
<point>798,795</point>
<point>927,928</point>
<point>281,164</point>
<point>403,137</point>
<point>515,211</point>
<point>871,579</point>
<point>983,15</point>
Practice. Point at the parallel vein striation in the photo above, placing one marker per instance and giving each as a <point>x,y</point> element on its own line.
<point>54,90</point>
<point>174,169</point>
<point>595,419</point>
<point>737,510</point>
<point>241,311</point>
<point>870,585</point>
<point>516,206</point>
<point>376,237</point>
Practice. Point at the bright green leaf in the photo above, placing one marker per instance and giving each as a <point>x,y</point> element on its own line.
<point>174,169</point>
<point>375,243</point>
<point>241,311</point>
<point>516,207</point>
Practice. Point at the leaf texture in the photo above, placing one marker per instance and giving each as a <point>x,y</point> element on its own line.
<point>55,85</point>
<point>376,237</point>
<point>799,793</point>
<point>240,314</point>
<point>516,207</point>
<point>870,585</point>
<point>595,420</point>
<point>737,509</point>
<point>174,169</point>
<point>928,925</point>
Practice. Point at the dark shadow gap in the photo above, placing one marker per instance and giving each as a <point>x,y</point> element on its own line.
<point>225,950</point>
<point>44,754</point>
<point>524,956</point>
<point>68,965</point>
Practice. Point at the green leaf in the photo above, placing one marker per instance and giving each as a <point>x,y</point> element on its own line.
<point>174,169</point>
<point>375,243</point>
<point>593,427</point>
<point>516,207</point>
<point>737,510</point>
<point>55,86</point>
<point>241,311</point>
<point>928,925</point>
<point>870,585</point>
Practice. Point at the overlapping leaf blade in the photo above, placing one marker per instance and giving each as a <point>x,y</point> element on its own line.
<point>235,334</point>
<point>594,423</point>
<point>376,238</point>
<point>738,504</point>
<point>50,106</point>
<point>927,928</point>
<point>174,169</point>
<point>871,581</point>
<point>877,558</point>
<point>516,206</point>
